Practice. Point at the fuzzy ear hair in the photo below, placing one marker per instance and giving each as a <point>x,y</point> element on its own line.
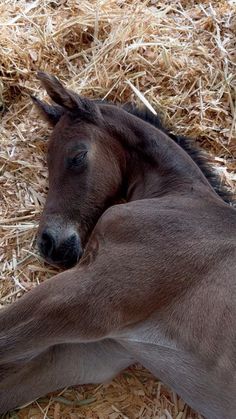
<point>52,113</point>
<point>80,106</point>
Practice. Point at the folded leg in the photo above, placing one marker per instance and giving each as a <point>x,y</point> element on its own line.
<point>60,366</point>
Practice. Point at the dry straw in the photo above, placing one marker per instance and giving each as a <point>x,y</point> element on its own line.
<point>179,57</point>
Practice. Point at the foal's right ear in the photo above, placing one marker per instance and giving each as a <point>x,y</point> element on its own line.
<point>77,105</point>
<point>52,113</point>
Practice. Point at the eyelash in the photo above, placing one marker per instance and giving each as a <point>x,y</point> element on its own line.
<point>77,160</point>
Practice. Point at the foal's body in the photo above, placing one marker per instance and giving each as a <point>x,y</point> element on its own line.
<point>156,284</point>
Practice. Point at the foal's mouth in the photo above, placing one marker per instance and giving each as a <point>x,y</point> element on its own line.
<point>65,254</point>
<point>65,263</point>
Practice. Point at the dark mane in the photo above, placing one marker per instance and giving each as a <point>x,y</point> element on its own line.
<point>189,145</point>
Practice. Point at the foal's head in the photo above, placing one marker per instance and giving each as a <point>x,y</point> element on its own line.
<point>85,173</point>
<point>97,154</point>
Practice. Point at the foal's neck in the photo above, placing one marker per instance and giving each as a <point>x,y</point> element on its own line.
<point>156,165</point>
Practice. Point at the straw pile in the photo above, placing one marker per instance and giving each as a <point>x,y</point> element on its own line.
<point>181,56</point>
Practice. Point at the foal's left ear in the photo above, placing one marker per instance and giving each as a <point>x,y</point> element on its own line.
<point>71,101</point>
<point>52,113</point>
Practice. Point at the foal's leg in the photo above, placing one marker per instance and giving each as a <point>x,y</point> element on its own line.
<point>84,304</point>
<point>88,303</point>
<point>58,367</point>
<point>64,309</point>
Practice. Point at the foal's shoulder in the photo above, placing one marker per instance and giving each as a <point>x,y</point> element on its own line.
<point>129,211</point>
<point>130,217</point>
<point>186,210</point>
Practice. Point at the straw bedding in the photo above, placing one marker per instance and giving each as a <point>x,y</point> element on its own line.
<point>180,56</point>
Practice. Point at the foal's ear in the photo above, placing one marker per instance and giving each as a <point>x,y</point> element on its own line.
<point>51,113</point>
<point>80,106</point>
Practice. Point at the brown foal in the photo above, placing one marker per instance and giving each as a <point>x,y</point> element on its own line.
<point>150,280</point>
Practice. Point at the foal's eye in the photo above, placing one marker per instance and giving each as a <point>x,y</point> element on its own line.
<point>77,160</point>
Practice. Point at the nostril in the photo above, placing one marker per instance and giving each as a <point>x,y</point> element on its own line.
<point>70,245</point>
<point>48,243</point>
<point>72,239</point>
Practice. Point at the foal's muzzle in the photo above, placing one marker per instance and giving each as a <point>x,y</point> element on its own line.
<point>62,251</point>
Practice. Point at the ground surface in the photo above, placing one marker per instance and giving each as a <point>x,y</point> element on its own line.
<point>181,56</point>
